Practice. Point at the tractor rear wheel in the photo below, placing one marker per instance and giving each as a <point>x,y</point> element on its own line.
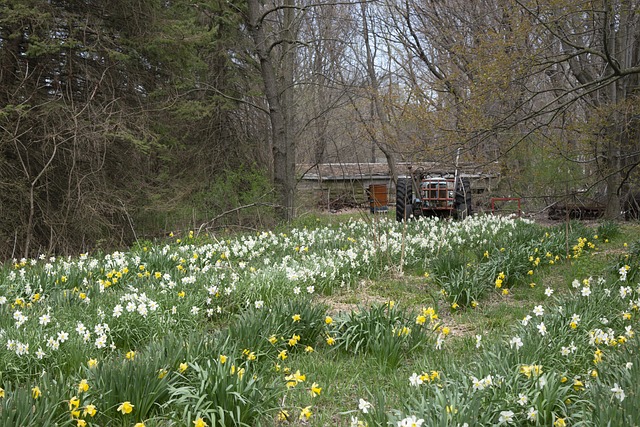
<point>404,208</point>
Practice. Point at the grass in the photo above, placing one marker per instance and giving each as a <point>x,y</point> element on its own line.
<point>353,377</point>
<point>273,303</point>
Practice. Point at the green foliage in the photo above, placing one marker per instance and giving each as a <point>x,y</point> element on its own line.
<point>138,380</point>
<point>224,394</point>
<point>252,328</point>
<point>627,265</point>
<point>383,331</point>
<point>240,187</point>
<point>21,406</point>
<point>608,230</point>
<point>533,168</point>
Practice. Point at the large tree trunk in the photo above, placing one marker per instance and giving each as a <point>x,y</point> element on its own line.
<point>283,181</point>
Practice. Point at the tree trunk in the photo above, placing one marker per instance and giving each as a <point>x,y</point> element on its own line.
<point>288,106</point>
<point>375,90</point>
<point>282,180</point>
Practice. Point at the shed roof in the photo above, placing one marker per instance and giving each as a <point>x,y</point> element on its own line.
<point>359,171</point>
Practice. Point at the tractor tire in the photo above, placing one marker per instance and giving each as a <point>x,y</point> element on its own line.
<point>404,208</point>
<point>463,199</point>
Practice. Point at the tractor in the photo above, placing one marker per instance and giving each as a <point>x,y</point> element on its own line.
<point>424,194</point>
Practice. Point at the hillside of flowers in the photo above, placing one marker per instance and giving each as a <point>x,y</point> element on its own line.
<point>204,331</point>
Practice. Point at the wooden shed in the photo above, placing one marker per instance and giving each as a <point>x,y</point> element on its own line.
<point>335,186</point>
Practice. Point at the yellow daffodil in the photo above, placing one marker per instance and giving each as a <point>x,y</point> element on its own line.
<point>81,423</point>
<point>597,356</point>
<point>283,415</point>
<point>83,386</point>
<point>296,317</point>
<point>74,402</point>
<point>130,355</point>
<point>1,392</point>
<point>183,367</point>
<point>199,422</point>
<point>328,320</point>
<point>35,392</point>
<point>294,340</point>
<point>299,377</point>
<point>305,414</point>
<point>125,407</point>
<point>223,359</point>
<point>89,410</point>
<point>315,390</point>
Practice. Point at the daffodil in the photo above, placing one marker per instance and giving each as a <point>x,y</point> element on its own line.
<point>305,414</point>
<point>74,402</point>
<point>125,407</point>
<point>283,415</point>
<point>560,422</point>
<point>89,410</point>
<point>199,422</point>
<point>315,390</point>
<point>83,386</point>
<point>35,392</point>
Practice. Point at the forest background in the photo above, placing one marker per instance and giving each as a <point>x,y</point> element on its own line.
<point>120,120</point>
